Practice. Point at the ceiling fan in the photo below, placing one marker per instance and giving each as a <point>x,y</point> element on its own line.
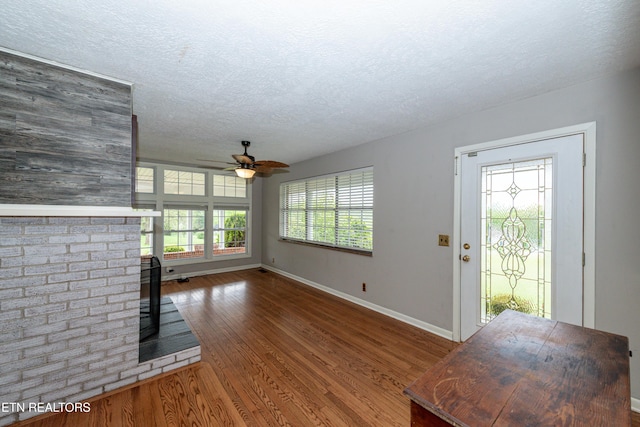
<point>247,165</point>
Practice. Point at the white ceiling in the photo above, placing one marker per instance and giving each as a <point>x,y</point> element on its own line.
<point>304,78</point>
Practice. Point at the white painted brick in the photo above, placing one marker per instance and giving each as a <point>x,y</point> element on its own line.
<point>67,315</point>
<point>45,289</point>
<point>85,395</point>
<point>163,361</point>
<point>41,370</point>
<point>89,321</point>
<point>107,272</point>
<point>68,334</point>
<point>125,262</point>
<point>67,220</point>
<point>69,238</point>
<point>107,290</point>
<point>39,390</point>
<point>143,367</point>
<point>186,354</point>
<point>11,251</point>
<point>76,257</point>
<point>107,237</point>
<point>123,314</point>
<point>149,374</point>
<point>22,220</point>
<point>105,344</point>
<point>108,220</point>
<point>61,376</point>
<point>12,315</point>
<point>14,293</point>
<point>45,250</point>
<point>87,265</point>
<point>89,229</point>
<point>100,382</point>
<point>69,296</point>
<point>119,384</point>
<point>89,375</point>
<point>45,229</point>
<point>23,385</point>
<point>67,277</point>
<point>43,350</point>
<point>87,340</point>
<point>88,302</point>
<point>45,329</point>
<point>175,366</point>
<point>108,327</point>
<point>127,280</point>
<point>106,309</point>
<point>45,309</point>
<point>22,282</point>
<point>9,273</point>
<point>6,262</point>
<point>128,296</point>
<point>9,419</point>
<point>71,353</point>
<point>135,244</point>
<point>62,394</point>
<point>23,344</point>
<point>17,322</point>
<point>107,255</point>
<point>103,364</point>
<point>87,247</point>
<point>45,269</point>
<point>88,284</point>
<point>19,303</point>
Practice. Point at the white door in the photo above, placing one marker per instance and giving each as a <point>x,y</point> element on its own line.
<point>521,231</point>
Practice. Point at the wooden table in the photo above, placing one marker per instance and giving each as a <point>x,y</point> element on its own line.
<point>522,370</point>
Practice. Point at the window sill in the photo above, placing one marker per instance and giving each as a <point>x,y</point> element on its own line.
<point>334,248</point>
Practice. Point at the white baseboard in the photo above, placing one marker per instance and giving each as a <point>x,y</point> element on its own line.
<point>166,277</point>
<point>635,404</point>
<point>394,314</point>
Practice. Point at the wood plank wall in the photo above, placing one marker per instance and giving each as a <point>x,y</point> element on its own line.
<point>65,136</point>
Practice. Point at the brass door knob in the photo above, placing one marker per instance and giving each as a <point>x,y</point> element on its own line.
<point>466,258</point>
<point>466,246</point>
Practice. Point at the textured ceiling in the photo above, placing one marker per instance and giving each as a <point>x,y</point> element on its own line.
<point>303,78</point>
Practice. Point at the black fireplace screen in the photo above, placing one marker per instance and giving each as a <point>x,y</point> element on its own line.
<point>149,297</point>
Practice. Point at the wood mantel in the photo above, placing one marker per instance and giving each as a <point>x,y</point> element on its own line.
<point>525,370</point>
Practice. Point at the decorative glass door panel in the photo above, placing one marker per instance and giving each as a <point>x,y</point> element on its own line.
<point>521,231</point>
<point>515,245</point>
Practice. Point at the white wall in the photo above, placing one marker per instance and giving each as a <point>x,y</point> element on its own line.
<point>410,274</point>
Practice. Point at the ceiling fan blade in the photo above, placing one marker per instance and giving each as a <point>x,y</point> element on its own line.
<point>263,169</point>
<point>241,158</point>
<point>271,164</point>
<point>215,161</point>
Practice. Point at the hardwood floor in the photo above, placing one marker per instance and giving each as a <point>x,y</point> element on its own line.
<point>275,353</point>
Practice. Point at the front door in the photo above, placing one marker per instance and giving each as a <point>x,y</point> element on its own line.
<point>521,231</point>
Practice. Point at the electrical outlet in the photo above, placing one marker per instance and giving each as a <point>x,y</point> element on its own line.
<point>364,287</point>
<point>443,240</point>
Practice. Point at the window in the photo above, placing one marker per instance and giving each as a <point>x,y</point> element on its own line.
<point>183,233</point>
<point>229,231</point>
<point>229,186</point>
<point>146,233</point>
<point>333,210</point>
<point>186,183</point>
<point>144,180</point>
<point>205,213</point>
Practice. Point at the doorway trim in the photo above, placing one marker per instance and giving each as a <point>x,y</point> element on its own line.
<point>589,131</point>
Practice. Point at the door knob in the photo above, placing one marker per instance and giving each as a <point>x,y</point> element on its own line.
<point>466,258</point>
<point>466,246</point>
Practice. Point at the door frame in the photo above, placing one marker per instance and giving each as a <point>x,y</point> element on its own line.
<point>589,192</point>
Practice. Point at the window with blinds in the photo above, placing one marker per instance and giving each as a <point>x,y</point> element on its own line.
<point>333,210</point>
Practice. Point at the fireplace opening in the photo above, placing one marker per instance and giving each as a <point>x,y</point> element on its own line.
<point>150,279</point>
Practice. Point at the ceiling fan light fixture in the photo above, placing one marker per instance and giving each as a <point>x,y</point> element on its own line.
<point>245,172</point>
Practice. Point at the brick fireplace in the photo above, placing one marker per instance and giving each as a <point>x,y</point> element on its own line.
<point>69,310</point>
<point>69,240</point>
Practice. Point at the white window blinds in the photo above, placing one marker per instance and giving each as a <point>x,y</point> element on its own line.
<point>333,210</point>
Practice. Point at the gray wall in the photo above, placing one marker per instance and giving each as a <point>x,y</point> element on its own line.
<point>65,136</point>
<point>410,274</point>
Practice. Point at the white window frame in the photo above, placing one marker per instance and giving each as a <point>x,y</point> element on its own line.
<point>160,201</point>
<point>332,187</point>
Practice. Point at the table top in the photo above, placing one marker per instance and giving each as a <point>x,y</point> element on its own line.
<point>525,370</point>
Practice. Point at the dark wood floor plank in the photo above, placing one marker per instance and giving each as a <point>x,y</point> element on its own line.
<point>275,353</point>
